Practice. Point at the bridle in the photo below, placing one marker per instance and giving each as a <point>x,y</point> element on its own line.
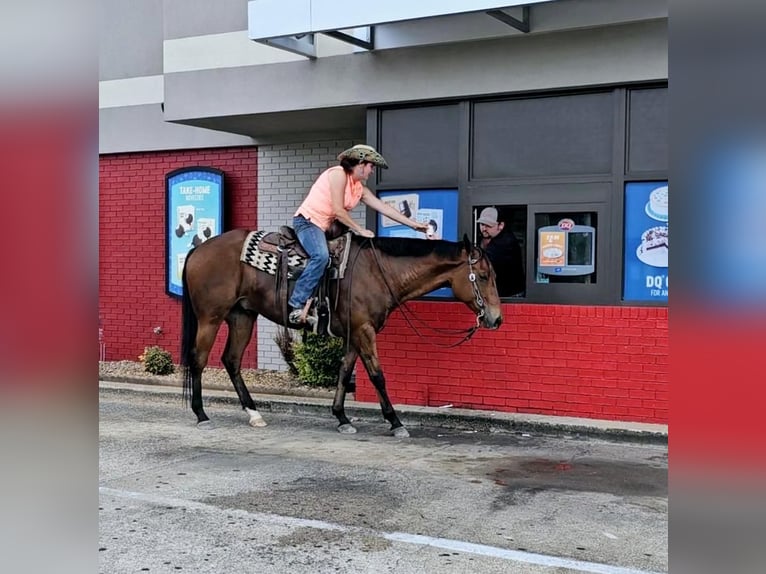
<point>407,312</point>
<point>476,292</point>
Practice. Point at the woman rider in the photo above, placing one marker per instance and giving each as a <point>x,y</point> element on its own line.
<point>336,192</point>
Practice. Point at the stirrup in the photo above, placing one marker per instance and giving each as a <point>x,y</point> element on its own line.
<point>301,318</point>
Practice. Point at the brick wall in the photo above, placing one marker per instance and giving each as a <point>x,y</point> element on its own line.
<point>132,298</point>
<point>285,174</point>
<point>595,362</point>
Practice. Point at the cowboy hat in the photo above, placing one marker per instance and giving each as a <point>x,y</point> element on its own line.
<point>364,153</point>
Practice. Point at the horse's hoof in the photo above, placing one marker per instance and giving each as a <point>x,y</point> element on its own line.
<point>205,425</point>
<point>401,432</point>
<point>346,429</point>
<point>256,420</point>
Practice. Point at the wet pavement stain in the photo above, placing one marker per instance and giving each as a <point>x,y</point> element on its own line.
<point>476,438</point>
<point>337,500</point>
<point>523,477</point>
<point>310,537</point>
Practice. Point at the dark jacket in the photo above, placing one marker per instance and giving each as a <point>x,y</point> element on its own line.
<point>504,252</point>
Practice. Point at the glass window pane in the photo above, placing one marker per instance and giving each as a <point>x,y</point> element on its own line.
<point>420,146</point>
<point>563,135</point>
<point>648,130</point>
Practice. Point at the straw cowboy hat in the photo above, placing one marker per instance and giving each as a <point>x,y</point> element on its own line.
<point>364,153</point>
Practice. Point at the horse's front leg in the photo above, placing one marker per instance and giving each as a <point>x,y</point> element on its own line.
<point>368,351</point>
<point>344,376</point>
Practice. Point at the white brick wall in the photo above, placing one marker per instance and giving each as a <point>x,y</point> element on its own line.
<point>285,174</point>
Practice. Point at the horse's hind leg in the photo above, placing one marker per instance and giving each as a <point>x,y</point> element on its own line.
<point>344,376</point>
<point>205,338</point>
<point>240,331</point>
<point>368,352</point>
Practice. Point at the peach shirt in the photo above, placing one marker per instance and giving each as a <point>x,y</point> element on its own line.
<point>317,207</point>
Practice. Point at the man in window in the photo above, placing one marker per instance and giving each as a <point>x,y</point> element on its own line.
<point>504,252</point>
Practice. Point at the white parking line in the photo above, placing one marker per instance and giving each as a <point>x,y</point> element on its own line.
<point>444,543</point>
<point>512,555</point>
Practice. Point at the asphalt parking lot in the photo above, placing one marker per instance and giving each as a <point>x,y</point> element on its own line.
<point>296,496</point>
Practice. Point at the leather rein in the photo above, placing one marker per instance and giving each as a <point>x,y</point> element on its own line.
<point>407,312</point>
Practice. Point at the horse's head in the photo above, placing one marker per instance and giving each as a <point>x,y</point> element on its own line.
<point>474,284</point>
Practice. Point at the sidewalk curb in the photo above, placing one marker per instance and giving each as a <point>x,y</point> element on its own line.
<point>459,419</point>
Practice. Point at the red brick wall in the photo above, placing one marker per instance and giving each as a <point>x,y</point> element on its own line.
<point>594,362</point>
<point>132,298</point>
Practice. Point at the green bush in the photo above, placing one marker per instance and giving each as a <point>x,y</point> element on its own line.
<point>318,358</point>
<point>157,361</point>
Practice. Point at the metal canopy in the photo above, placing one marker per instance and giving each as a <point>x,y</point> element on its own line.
<point>267,24</point>
<point>305,45</point>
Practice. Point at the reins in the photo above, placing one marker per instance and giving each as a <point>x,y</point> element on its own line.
<point>407,312</point>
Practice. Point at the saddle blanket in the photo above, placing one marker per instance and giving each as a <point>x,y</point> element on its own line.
<point>265,261</point>
<point>269,262</point>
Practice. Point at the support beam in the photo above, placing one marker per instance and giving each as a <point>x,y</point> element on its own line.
<point>368,44</point>
<point>522,25</point>
<point>302,45</point>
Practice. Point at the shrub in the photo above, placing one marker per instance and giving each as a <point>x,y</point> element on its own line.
<point>318,358</point>
<point>157,361</point>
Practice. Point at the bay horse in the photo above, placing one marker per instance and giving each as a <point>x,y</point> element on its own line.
<point>382,273</point>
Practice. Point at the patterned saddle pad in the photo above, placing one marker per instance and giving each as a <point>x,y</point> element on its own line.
<point>264,259</point>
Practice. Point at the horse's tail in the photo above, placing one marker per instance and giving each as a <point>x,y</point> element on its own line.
<point>188,336</point>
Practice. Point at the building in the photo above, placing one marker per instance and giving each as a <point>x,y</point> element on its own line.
<point>553,111</point>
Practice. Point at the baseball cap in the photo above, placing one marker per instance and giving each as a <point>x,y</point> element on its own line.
<point>488,216</point>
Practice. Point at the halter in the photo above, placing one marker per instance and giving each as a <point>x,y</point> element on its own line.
<point>476,292</point>
<point>406,310</point>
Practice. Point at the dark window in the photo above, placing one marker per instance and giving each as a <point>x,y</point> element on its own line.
<point>553,136</point>
<point>420,146</point>
<point>538,160</point>
<point>647,130</point>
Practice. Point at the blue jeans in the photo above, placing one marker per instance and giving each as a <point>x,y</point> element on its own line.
<point>313,241</point>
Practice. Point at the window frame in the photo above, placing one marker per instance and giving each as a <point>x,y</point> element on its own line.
<point>602,193</point>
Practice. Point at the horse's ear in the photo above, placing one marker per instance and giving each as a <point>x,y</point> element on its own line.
<point>467,243</point>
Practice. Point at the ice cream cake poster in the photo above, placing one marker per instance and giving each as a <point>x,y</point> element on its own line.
<point>194,214</point>
<point>647,242</point>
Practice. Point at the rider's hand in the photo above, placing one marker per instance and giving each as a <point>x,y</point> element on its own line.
<point>365,233</point>
<point>419,226</point>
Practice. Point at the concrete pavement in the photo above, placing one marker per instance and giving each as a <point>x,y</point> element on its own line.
<point>298,497</point>
<point>463,419</point>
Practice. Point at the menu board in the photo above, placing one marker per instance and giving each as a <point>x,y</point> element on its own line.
<point>194,214</point>
<point>552,248</point>
<point>566,249</point>
<point>647,243</point>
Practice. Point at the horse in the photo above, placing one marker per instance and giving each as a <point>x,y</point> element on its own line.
<point>382,273</point>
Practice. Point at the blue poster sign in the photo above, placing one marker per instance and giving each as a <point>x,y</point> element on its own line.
<point>436,207</point>
<point>646,242</point>
<point>194,214</point>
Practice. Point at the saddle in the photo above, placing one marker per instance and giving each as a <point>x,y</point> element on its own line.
<point>284,240</point>
<point>281,254</point>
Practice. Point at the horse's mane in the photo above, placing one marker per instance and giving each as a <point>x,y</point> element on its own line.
<point>411,247</point>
